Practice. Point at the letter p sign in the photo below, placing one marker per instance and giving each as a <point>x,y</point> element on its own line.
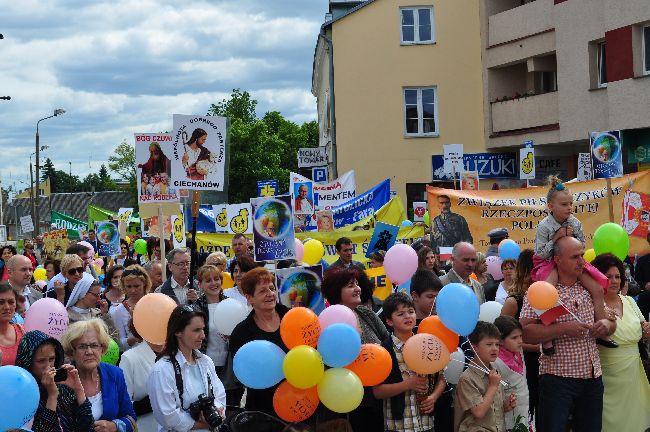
<point>319,174</point>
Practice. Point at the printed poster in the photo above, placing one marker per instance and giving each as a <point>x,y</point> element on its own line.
<point>419,209</point>
<point>26,224</point>
<point>453,159</point>
<point>606,154</point>
<point>220,217</point>
<point>267,188</point>
<point>527,163</point>
<point>584,171</point>
<point>108,238</point>
<point>273,233</point>
<point>153,168</point>
<point>300,286</point>
<point>636,213</point>
<point>469,180</point>
<point>325,220</point>
<point>302,196</point>
<point>178,230</point>
<point>55,243</point>
<point>198,152</point>
<point>233,218</point>
<point>149,227</point>
<point>383,238</point>
<point>331,194</point>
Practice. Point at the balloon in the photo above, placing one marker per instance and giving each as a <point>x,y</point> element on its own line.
<point>151,315</point>
<point>41,284</point>
<point>372,365</point>
<point>128,240</point>
<point>458,308</point>
<point>313,252</point>
<point>337,314</point>
<point>112,355</point>
<point>140,246</point>
<point>589,255</point>
<point>494,267</point>
<point>339,345</point>
<point>20,394</point>
<point>426,218</point>
<point>303,367</point>
<point>542,295</point>
<point>455,367</point>
<point>40,274</point>
<point>258,364</point>
<point>425,354</point>
<point>434,326</point>
<point>99,262</point>
<point>407,223</point>
<point>300,250</point>
<point>49,316</point>
<point>228,282</point>
<point>227,314</point>
<point>292,404</point>
<point>400,263</point>
<point>340,390</point>
<point>300,326</point>
<point>611,238</point>
<point>489,311</point>
<point>509,249</point>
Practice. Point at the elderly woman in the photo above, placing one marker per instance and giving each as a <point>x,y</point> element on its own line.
<point>342,286</point>
<point>61,285</point>
<point>113,292</point>
<point>263,323</point>
<point>83,303</point>
<point>85,342</point>
<point>137,284</point>
<point>10,333</point>
<point>626,401</point>
<point>63,406</point>
<point>238,268</point>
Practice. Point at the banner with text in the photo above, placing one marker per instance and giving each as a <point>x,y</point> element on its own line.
<point>332,194</point>
<point>153,168</point>
<point>312,157</point>
<point>74,226</point>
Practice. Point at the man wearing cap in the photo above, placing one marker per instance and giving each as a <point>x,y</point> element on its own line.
<point>497,235</point>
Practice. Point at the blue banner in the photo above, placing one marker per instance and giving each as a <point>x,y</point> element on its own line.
<point>362,206</point>
<point>488,165</point>
<point>205,221</point>
<point>606,154</point>
<point>267,188</point>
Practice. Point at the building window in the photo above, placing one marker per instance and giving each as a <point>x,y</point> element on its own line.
<point>417,25</point>
<point>602,65</point>
<point>420,111</point>
<point>545,82</point>
<point>646,50</point>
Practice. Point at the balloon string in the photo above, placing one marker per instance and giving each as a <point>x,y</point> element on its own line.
<point>475,366</point>
<point>568,310</point>
<point>433,305</point>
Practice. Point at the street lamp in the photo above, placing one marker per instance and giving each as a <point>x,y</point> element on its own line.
<point>37,222</point>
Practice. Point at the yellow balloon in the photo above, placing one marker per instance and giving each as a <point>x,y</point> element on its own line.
<point>314,252</point>
<point>303,367</point>
<point>589,255</point>
<point>340,390</point>
<point>40,274</point>
<point>128,240</point>
<point>228,282</point>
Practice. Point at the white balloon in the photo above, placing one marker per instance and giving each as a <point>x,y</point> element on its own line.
<point>454,368</point>
<point>490,311</point>
<point>227,315</point>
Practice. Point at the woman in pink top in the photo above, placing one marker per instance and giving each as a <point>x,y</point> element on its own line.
<point>10,334</point>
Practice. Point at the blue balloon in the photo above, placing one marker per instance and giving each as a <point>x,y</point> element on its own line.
<point>404,287</point>
<point>258,364</point>
<point>509,249</point>
<point>458,308</point>
<point>339,345</point>
<point>407,223</point>
<point>20,394</point>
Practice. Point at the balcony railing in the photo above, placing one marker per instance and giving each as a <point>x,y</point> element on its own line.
<point>524,113</point>
<point>526,20</point>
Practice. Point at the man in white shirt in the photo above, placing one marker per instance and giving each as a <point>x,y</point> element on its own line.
<point>178,286</point>
<point>19,269</point>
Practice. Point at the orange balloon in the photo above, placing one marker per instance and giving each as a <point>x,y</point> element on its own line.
<point>228,282</point>
<point>425,354</point>
<point>434,326</point>
<point>542,295</point>
<point>294,405</point>
<point>151,315</point>
<point>372,366</point>
<point>300,326</point>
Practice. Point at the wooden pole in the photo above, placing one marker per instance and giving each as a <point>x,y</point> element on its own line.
<point>161,238</point>
<point>610,202</point>
<point>453,173</point>
<point>196,201</point>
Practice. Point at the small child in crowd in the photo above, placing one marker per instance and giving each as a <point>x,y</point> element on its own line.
<point>408,397</point>
<point>425,286</point>
<point>480,403</point>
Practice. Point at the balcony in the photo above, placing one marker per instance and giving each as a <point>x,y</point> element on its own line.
<point>524,113</point>
<point>516,23</point>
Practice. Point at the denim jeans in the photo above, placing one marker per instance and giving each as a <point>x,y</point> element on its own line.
<point>563,398</point>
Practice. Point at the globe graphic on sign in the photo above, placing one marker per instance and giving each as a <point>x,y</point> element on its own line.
<point>107,233</point>
<point>303,287</point>
<point>606,148</point>
<point>272,219</point>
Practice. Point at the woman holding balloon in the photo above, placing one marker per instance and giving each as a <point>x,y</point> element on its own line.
<point>10,333</point>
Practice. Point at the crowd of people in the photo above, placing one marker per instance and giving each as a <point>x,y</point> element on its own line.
<point>583,370</point>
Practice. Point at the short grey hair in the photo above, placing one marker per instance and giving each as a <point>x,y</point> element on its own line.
<point>149,266</point>
<point>455,251</point>
<point>13,261</point>
<point>172,254</point>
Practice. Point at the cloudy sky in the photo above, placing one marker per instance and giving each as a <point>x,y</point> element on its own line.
<point>124,66</point>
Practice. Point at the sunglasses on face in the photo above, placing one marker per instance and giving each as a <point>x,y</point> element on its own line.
<point>76,270</point>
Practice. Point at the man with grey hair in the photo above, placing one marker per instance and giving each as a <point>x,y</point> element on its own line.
<point>178,286</point>
<point>154,269</point>
<point>19,269</point>
<point>463,259</point>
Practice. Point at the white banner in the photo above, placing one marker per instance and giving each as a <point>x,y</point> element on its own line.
<point>152,158</point>
<point>178,231</point>
<point>584,171</point>
<point>198,152</point>
<point>26,224</point>
<point>312,157</point>
<point>332,194</point>
<point>527,163</point>
<point>453,158</point>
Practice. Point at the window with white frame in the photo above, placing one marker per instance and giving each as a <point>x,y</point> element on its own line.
<point>417,25</point>
<point>421,111</point>
<point>601,57</point>
<point>646,50</point>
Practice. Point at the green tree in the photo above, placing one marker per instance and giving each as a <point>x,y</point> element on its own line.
<point>49,172</point>
<point>122,162</point>
<point>67,183</point>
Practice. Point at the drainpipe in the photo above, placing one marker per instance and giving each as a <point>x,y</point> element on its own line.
<point>330,54</point>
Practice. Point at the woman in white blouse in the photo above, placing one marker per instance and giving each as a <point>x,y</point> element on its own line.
<point>136,284</point>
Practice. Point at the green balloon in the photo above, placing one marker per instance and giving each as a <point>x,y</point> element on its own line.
<point>426,218</point>
<point>140,246</point>
<point>112,355</point>
<point>611,238</point>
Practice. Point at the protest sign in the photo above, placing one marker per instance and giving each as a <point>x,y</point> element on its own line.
<point>363,205</point>
<point>55,243</point>
<point>521,210</point>
<point>239,218</point>
<point>123,218</point>
<point>419,209</point>
<point>149,227</point>
<point>606,154</point>
<point>584,167</point>
<point>26,224</point>
<point>636,213</point>
<point>312,157</point>
<point>198,152</point>
<point>453,159</point>
<point>383,285</point>
<point>220,218</point>
<point>383,238</point>
<point>178,231</point>
<point>300,286</point>
<point>108,238</point>
<point>332,194</point>
<point>302,197</point>
<point>267,188</point>
<point>469,180</point>
<point>325,220</point>
<point>74,226</point>
<point>153,168</point>
<point>527,163</point>
<point>488,165</point>
<point>273,228</point>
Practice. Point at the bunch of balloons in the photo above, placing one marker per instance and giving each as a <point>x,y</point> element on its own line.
<point>315,342</point>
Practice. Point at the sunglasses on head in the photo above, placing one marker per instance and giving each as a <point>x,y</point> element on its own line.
<point>132,272</point>
<point>187,309</point>
<point>76,270</point>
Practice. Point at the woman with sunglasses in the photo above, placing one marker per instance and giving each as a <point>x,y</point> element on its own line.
<point>183,373</point>
<point>137,284</point>
<point>60,286</point>
<point>85,303</point>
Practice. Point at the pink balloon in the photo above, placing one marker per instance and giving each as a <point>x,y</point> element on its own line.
<point>400,262</point>
<point>49,316</point>
<point>99,262</point>
<point>300,250</point>
<point>494,267</point>
<point>337,314</point>
<point>41,284</point>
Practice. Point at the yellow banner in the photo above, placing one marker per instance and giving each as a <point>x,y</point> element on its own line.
<point>392,213</point>
<point>383,286</point>
<point>474,213</point>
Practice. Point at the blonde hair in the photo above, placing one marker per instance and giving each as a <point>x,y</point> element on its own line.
<point>67,262</point>
<point>480,258</point>
<point>144,276</point>
<point>209,270</point>
<point>78,329</point>
<point>555,186</point>
<point>218,258</point>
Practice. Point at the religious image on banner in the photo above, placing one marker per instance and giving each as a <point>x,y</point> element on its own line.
<point>606,154</point>
<point>55,243</point>
<point>149,227</point>
<point>325,220</point>
<point>303,197</point>
<point>300,286</point>
<point>636,213</point>
<point>153,165</point>
<point>108,238</point>
<point>301,222</point>
<point>331,194</point>
<point>199,152</point>
<point>469,180</point>
<point>273,233</point>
